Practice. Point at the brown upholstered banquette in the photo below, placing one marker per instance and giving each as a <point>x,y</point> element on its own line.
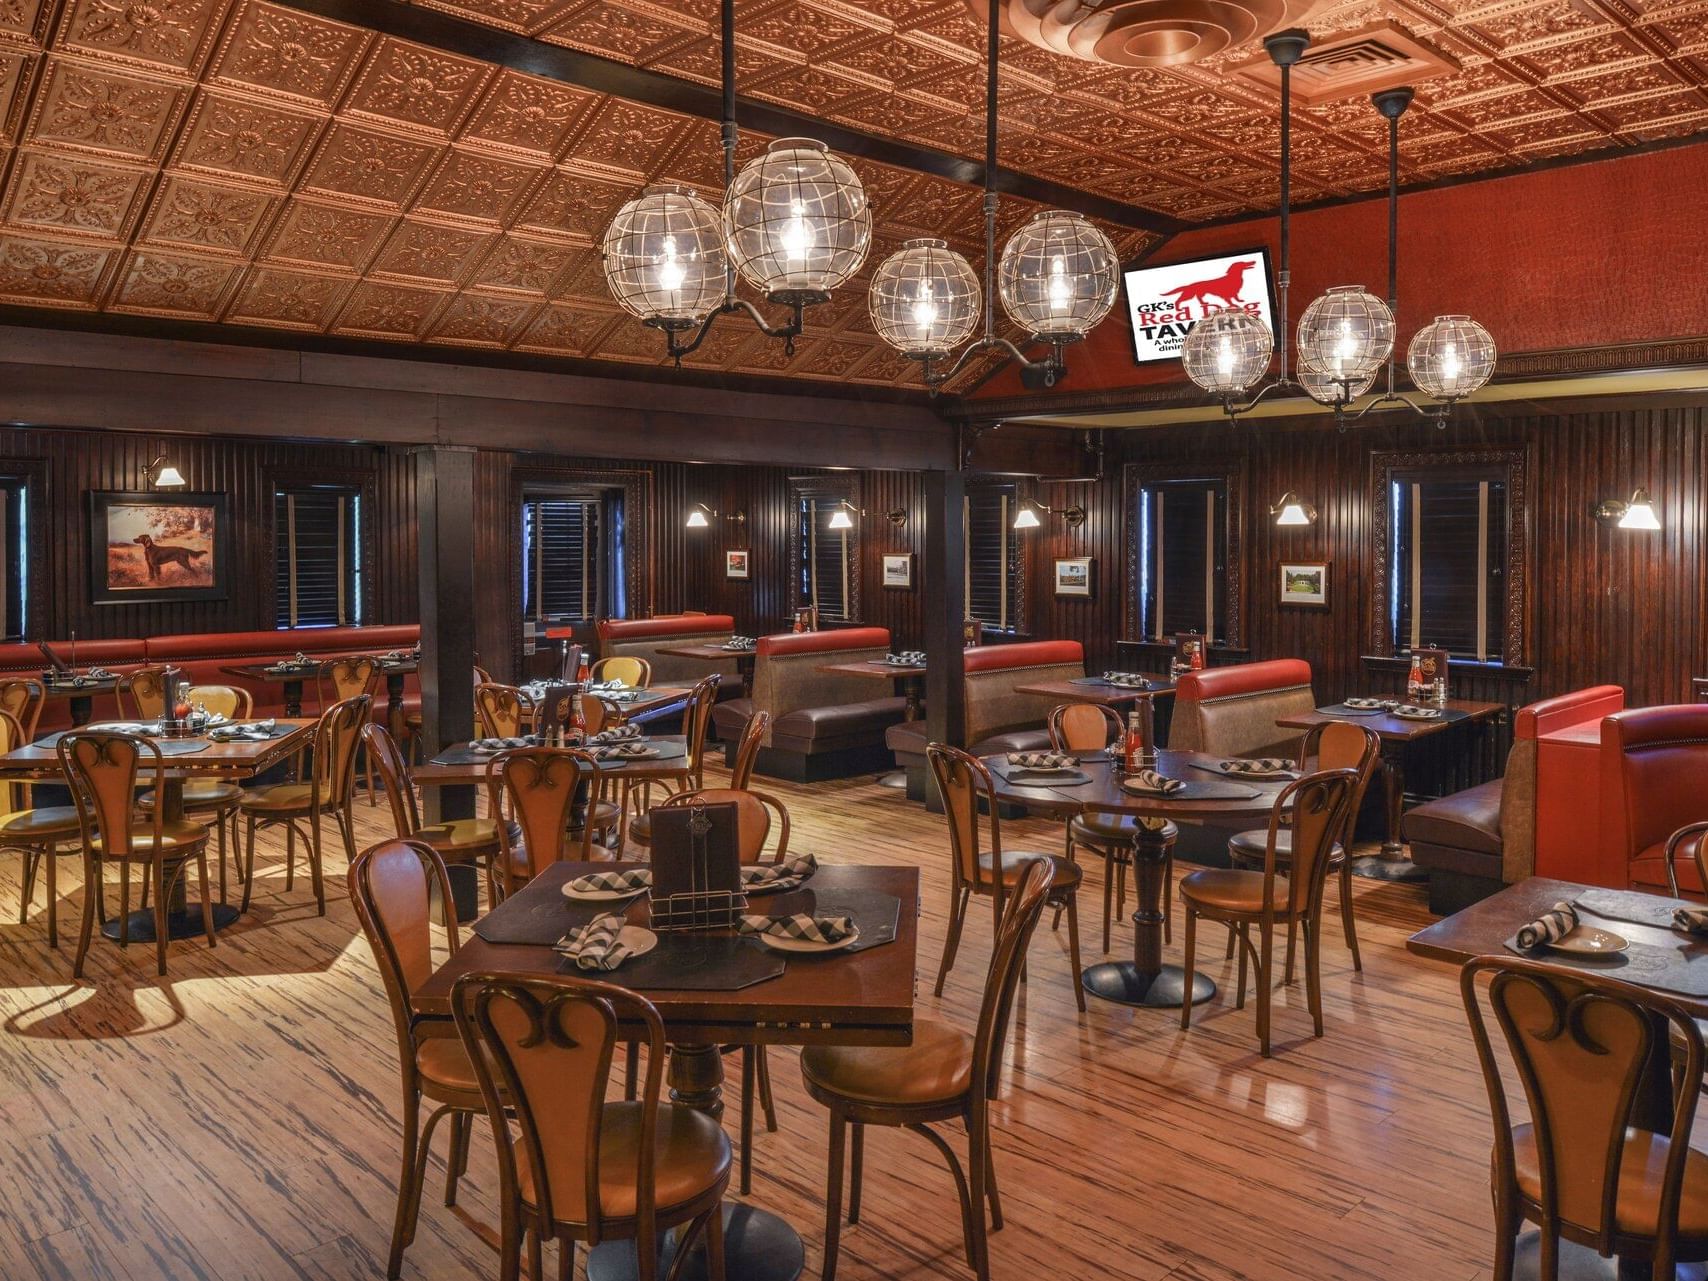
<point>646,637</point>
<point>1231,711</point>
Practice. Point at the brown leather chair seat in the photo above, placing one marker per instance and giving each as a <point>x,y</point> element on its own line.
<point>176,836</point>
<point>691,1153</point>
<point>1098,829</point>
<point>827,729</point>
<point>907,738</point>
<point>1642,1168</point>
<point>938,1066</point>
<point>1468,820</point>
<point>1064,876</point>
<point>445,1069</point>
<point>457,835</point>
<point>199,793</point>
<point>40,825</point>
<point>1232,890</point>
<point>283,796</point>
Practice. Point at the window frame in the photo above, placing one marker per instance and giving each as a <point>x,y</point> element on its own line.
<point>604,583</point>
<point>30,476</point>
<point>1017,546</point>
<point>831,489</point>
<point>360,482</point>
<point>1230,473</point>
<point>1460,464</point>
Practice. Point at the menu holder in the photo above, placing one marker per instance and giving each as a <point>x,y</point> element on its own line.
<point>1432,664</point>
<point>1191,650</point>
<point>696,868</point>
<point>556,714</point>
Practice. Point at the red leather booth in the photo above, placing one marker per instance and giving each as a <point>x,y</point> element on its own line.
<point>1654,778</point>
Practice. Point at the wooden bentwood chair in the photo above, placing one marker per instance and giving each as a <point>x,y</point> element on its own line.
<point>503,710</point>
<point>103,770</point>
<point>1592,1164</point>
<point>300,807</point>
<point>964,782</point>
<point>392,886</point>
<point>1690,840</point>
<point>944,1075</point>
<point>1090,727</point>
<point>696,723</point>
<point>581,1168</point>
<point>23,699</point>
<point>538,787</point>
<point>634,672</point>
<point>341,679</point>
<point>145,690</point>
<point>1334,745</point>
<point>214,799</point>
<point>1240,898</point>
<point>37,834</point>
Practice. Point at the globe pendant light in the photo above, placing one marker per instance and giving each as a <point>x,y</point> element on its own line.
<point>664,258</point>
<point>1227,351</point>
<point>925,299</point>
<point>794,222</point>
<point>1346,334</point>
<point>1058,278</point>
<point>1325,389</point>
<point>1450,357</point>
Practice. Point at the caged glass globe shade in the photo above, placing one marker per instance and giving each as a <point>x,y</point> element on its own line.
<point>1057,276</point>
<point>925,299</point>
<point>664,257</point>
<point>1451,357</point>
<point>796,221</point>
<point>1325,390</point>
<point>1227,352</point>
<point>1346,334</point>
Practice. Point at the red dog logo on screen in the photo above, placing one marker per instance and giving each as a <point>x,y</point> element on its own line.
<point>1224,288</point>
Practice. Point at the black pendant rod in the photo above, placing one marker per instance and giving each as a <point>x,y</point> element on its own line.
<point>1392,103</point>
<point>1285,48</point>
<point>992,44</point>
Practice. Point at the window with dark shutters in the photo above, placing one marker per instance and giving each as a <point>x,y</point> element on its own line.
<point>1183,549</point>
<point>993,557</point>
<point>827,558</point>
<point>317,565</point>
<point>562,552</point>
<point>14,524</point>
<point>1449,556</point>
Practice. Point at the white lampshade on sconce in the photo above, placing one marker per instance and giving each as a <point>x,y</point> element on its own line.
<point>1026,517</point>
<point>841,518</point>
<point>1029,515</point>
<point>1638,513</point>
<point>161,474</point>
<point>1292,512</point>
<point>701,516</point>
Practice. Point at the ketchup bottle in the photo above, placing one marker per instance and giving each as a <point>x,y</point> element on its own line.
<point>1414,681</point>
<point>1133,746</point>
<point>582,672</point>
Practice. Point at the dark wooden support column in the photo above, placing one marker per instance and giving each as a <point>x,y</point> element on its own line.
<point>444,488</point>
<point>945,587</point>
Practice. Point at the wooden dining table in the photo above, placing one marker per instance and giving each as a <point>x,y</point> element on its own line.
<point>839,998</point>
<point>186,759</point>
<point>1398,735</point>
<point>744,659</point>
<point>1209,799</point>
<point>910,677</point>
<point>290,678</point>
<point>80,697</point>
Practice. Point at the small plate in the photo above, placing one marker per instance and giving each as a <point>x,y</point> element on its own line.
<point>1260,775</point>
<point>1343,710</point>
<point>802,945</point>
<point>1131,786</point>
<point>1587,940</point>
<point>1415,716</point>
<point>638,939</point>
<point>601,896</point>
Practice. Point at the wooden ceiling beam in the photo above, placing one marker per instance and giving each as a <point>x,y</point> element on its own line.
<point>455,35</point>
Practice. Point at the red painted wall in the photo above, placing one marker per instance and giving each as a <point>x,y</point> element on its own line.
<point>1579,256</point>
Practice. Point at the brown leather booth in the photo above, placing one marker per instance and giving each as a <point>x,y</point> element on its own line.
<point>1231,711</point>
<point>998,719</point>
<point>823,725</point>
<point>645,637</point>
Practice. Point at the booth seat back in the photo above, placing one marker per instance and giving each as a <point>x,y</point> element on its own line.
<point>786,676</point>
<point>993,672</point>
<point>644,637</point>
<point>202,656</point>
<point>23,661</point>
<point>1550,814</point>
<point>1654,761</point>
<point>1231,711</point>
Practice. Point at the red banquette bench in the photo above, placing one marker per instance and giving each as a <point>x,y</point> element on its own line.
<point>647,637</point>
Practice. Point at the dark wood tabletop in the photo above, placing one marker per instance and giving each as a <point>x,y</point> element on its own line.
<point>711,653</point>
<point>1396,728</point>
<point>1484,927</point>
<point>874,669</point>
<point>240,759</point>
<point>455,771</point>
<point>1105,795</point>
<point>650,700</point>
<point>1104,695</point>
<point>90,685</point>
<point>863,998</point>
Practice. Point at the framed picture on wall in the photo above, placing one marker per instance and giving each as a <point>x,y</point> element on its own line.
<point>157,547</point>
<point>1073,575</point>
<point>736,563</point>
<point>1305,583</point>
<point>898,571</point>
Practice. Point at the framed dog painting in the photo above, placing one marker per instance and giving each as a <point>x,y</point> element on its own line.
<point>157,547</point>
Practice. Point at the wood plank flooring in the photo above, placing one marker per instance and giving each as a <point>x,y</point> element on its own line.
<point>238,1121</point>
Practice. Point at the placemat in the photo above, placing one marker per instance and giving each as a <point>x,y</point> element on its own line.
<point>686,962</point>
<point>1200,789</point>
<point>1447,717</point>
<point>877,915</point>
<point>1629,905</point>
<point>1020,776</point>
<point>1341,709</point>
<point>539,915</point>
<point>1286,777</point>
<point>1099,681</point>
<point>167,746</point>
<point>1676,969</point>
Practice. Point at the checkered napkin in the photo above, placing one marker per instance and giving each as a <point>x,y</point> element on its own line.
<point>1148,780</point>
<point>245,731</point>
<point>1552,926</point>
<point>740,643</point>
<point>779,876</point>
<point>1126,680</point>
<point>1041,760</point>
<point>1417,713</point>
<point>99,674</point>
<point>906,658</point>
<point>1362,704</point>
<point>634,878</point>
<point>1255,765</point>
<point>497,744</point>
<point>809,929</point>
<point>616,734</point>
<point>1692,920</point>
<point>596,945</point>
<point>624,752</point>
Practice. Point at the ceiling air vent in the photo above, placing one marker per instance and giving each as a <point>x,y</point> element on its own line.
<point>1369,60</point>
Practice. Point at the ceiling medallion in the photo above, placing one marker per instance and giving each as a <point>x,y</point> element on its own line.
<point>1143,33</point>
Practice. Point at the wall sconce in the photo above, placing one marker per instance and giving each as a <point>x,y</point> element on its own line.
<point>1638,513</point>
<point>161,474</point>
<point>1026,515</point>
<point>702,516</point>
<point>1291,510</point>
<point>842,517</point>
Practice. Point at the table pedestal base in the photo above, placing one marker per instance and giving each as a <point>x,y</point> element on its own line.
<point>1580,1263</point>
<point>181,923</point>
<point>1125,984</point>
<point>758,1246</point>
<point>1387,867</point>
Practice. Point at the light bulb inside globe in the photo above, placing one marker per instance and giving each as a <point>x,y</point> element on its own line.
<point>1450,362</point>
<point>1227,352</point>
<point>924,299</point>
<point>797,234</point>
<point>671,273</point>
<point>1061,293</point>
<point>1347,333</point>
<point>1451,357</point>
<point>924,310</point>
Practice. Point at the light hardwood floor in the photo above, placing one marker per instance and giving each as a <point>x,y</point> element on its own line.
<point>238,1121</point>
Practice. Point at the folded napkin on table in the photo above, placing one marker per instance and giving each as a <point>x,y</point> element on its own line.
<point>99,674</point>
<point>631,751</point>
<point>497,744</point>
<point>809,929</point>
<point>1148,780</point>
<point>634,878</point>
<point>1363,704</point>
<point>1255,765</point>
<point>616,734</point>
<point>255,730</point>
<point>1692,920</point>
<point>1417,713</point>
<point>906,658</point>
<point>1552,926</point>
<point>740,642</point>
<point>785,875</point>
<point>1041,760</point>
<point>1128,680</point>
<point>596,945</point>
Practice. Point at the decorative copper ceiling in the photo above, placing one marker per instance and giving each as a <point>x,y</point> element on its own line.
<point>1142,33</point>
